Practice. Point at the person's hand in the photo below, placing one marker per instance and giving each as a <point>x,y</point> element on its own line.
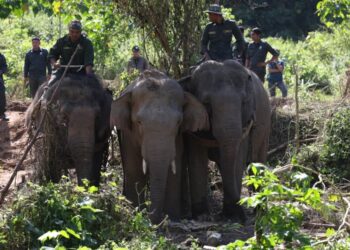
<point>48,77</point>
<point>56,65</point>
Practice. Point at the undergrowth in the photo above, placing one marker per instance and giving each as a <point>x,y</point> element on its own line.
<point>66,216</point>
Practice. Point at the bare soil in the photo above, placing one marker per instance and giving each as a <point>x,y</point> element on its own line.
<point>13,139</point>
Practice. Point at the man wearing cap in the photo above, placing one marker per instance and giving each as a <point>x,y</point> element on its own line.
<point>217,36</point>
<point>137,61</point>
<point>3,69</point>
<point>64,48</point>
<point>35,64</point>
<point>256,54</point>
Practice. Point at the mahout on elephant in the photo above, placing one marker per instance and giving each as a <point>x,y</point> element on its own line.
<point>75,130</point>
<point>239,114</point>
<point>151,114</point>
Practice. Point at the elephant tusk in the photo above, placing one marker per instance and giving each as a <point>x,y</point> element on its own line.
<point>144,166</point>
<point>173,167</point>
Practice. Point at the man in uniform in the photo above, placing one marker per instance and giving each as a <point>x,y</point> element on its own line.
<point>137,61</point>
<point>65,47</point>
<point>256,54</point>
<point>217,36</point>
<point>35,64</point>
<point>3,69</point>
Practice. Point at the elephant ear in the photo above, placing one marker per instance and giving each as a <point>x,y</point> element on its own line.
<point>120,112</point>
<point>195,116</point>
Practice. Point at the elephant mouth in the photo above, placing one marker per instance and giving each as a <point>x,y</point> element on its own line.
<point>172,165</point>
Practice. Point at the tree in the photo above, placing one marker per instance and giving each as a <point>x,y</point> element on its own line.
<point>333,11</point>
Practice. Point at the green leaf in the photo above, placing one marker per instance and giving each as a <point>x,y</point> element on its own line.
<point>93,189</point>
<point>49,235</point>
<point>72,232</point>
<point>330,232</point>
<point>64,234</point>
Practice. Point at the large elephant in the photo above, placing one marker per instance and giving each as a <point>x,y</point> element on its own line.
<point>239,114</point>
<point>151,113</point>
<point>78,121</point>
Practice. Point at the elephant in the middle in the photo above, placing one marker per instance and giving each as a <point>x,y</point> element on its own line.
<point>151,114</point>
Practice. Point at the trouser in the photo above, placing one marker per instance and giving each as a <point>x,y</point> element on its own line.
<point>280,85</point>
<point>261,76</point>
<point>2,99</point>
<point>34,84</point>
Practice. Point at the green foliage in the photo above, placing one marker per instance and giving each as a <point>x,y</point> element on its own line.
<point>336,153</point>
<point>287,19</point>
<point>333,12</point>
<point>321,59</point>
<point>280,209</point>
<point>67,216</point>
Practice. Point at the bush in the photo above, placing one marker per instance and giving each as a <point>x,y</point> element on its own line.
<point>65,215</point>
<point>336,153</point>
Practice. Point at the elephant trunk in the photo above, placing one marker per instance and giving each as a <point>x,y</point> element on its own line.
<point>159,159</point>
<point>81,142</point>
<point>227,129</point>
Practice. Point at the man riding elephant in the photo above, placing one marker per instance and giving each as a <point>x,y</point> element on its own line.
<point>217,36</point>
<point>65,47</point>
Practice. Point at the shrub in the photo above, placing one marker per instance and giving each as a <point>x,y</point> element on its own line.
<point>65,215</point>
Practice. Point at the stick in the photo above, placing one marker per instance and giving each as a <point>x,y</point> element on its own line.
<point>4,191</point>
<point>282,146</point>
<point>297,135</point>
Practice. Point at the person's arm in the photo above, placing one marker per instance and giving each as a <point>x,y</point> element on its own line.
<point>54,54</point>
<point>88,57</point>
<point>3,65</point>
<point>239,38</point>
<point>204,43</point>
<point>26,66</point>
<point>273,52</point>
<point>280,67</point>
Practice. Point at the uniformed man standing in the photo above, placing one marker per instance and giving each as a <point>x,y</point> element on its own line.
<point>35,64</point>
<point>256,54</point>
<point>64,48</point>
<point>217,36</point>
<point>3,69</point>
<point>137,61</point>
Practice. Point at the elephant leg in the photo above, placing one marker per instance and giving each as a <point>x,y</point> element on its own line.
<point>96,170</point>
<point>134,179</point>
<point>198,176</point>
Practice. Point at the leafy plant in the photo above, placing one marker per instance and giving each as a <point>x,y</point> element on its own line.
<point>67,216</point>
<point>280,209</point>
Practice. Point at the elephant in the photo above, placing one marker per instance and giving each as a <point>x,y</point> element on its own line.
<point>150,115</point>
<point>78,114</point>
<point>239,114</point>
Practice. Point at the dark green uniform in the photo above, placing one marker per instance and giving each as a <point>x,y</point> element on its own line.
<point>256,54</point>
<point>63,51</point>
<point>35,65</point>
<point>217,38</point>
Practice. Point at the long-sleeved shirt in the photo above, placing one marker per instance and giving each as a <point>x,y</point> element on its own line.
<point>257,53</point>
<point>36,62</point>
<point>138,63</point>
<point>3,67</point>
<point>217,38</point>
<point>64,49</point>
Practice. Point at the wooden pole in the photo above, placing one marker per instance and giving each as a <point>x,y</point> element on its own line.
<point>297,127</point>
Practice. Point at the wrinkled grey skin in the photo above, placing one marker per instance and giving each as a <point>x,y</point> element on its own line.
<point>81,111</point>
<point>151,113</point>
<point>233,96</point>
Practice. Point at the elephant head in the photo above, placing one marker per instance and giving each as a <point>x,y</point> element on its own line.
<point>226,90</point>
<point>80,111</point>
<point>155,109</point>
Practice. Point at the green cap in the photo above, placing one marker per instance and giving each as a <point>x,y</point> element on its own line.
<point>215,9</point>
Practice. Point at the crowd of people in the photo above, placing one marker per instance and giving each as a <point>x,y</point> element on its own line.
<point>216,44</point>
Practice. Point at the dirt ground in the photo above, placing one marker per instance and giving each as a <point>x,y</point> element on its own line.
<point>13,139</point>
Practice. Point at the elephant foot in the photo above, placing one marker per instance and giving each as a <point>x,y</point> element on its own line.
<point>199,209</point>
<point>234,212</point>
